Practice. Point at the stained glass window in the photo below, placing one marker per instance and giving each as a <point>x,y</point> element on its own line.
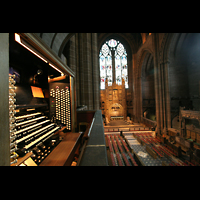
<point>120,60</point>
<point>105,58</point>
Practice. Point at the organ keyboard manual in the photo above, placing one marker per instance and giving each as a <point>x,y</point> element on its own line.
<point>33,131</point>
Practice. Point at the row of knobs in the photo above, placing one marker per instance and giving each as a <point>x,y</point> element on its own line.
<point>12,112</point>
<point>62,99</point>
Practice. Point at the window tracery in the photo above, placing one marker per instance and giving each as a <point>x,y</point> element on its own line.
<point>120,60</point>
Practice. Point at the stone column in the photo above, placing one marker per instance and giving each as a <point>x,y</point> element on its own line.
<point>72,54</point>
<point>88,70</point>
<point>155,41</point>
<point>4,103</point>
<point>165,98</point>
<point>138,99</point>
<point>137,92</point>
<point>77,71</point>
<point>96,72</point>
<point>167,95</point>
<point>134,86</point>
<point>160,93</point>
<point>81,66</point>
<point>87,65</point>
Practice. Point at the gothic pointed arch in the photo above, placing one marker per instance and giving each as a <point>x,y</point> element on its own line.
<point>62,46</point>
<point>144,66</point>
<point>113,63</point>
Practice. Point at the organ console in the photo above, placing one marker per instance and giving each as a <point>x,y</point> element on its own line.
<point>39,111</point>
<point>31,132</point>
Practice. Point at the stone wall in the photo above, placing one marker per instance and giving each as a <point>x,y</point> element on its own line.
<point>176,75</point>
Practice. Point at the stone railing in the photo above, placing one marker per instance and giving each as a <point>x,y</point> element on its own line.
<point>148,122</point>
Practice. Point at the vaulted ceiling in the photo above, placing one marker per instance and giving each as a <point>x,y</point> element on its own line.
<point>57,41</point>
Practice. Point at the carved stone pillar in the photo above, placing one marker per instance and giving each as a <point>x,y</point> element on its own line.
<point>96,72</point>
<point>167,96</point>
<point>88,70</point>
<point>155,38</point>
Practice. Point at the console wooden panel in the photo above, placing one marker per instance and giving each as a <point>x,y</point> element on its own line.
<point>63,154</point>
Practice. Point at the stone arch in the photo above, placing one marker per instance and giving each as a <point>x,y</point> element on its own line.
<point>65,41</point>
<point>163,53</point>
<point>56,41</point>
<point>143,62</point>
<point>170,43</point>
<point>167,52</point>
<point>175,57</point>
<point>47,38</point>
<point>140,59</point>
